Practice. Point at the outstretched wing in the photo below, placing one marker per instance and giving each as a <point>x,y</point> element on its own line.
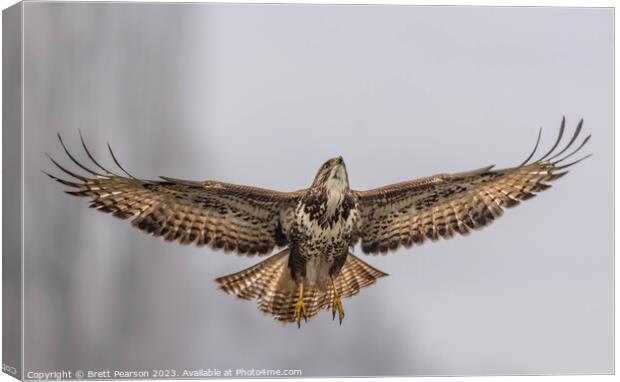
<point>411,212</point>
<point>244,219</point>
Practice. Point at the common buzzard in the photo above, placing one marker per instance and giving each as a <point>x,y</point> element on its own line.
<point>317,226</point>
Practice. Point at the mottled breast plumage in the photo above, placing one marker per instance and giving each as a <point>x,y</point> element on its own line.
<point>324,227</point>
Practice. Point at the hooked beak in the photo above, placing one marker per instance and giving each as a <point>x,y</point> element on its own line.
<point>339,171</point>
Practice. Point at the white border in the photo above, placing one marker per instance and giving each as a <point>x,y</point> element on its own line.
<point>511,3</point>
<point>566,3</point>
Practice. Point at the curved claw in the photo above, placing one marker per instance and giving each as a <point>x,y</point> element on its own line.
<point>337,307</point>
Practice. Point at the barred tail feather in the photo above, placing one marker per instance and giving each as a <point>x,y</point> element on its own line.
<point>355,275</point>
<point>271,284</point>
<point>259,280</point>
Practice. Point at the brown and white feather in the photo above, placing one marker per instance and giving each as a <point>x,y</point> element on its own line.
<point>440,206</point>
<point>231,217</point>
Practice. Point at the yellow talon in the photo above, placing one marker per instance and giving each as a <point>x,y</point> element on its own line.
<point>300,309</point>
<point>337,305</point>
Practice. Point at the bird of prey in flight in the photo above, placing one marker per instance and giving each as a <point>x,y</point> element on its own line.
<point>317,226</point>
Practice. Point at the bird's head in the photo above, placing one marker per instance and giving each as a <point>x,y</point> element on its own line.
<point>332,175</point>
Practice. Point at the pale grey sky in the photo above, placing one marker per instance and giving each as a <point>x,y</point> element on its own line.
<point>262,95</point>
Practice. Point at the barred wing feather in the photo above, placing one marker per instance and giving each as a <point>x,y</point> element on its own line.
<point>436,207</point>
<point>244,219</point>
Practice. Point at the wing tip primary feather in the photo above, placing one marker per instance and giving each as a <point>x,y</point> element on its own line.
<point>117,163</point>
<point>573,163</point>
<point>571,141</point>
<point>82,166</point>
<point>533,151</point>
<point>91,157</point>
<point>546,159</point>
<point>72,158</point>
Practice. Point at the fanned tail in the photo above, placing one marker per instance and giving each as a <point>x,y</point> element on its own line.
<point>271,284</point>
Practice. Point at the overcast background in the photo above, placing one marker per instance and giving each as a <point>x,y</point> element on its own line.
<point>262,95</point>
